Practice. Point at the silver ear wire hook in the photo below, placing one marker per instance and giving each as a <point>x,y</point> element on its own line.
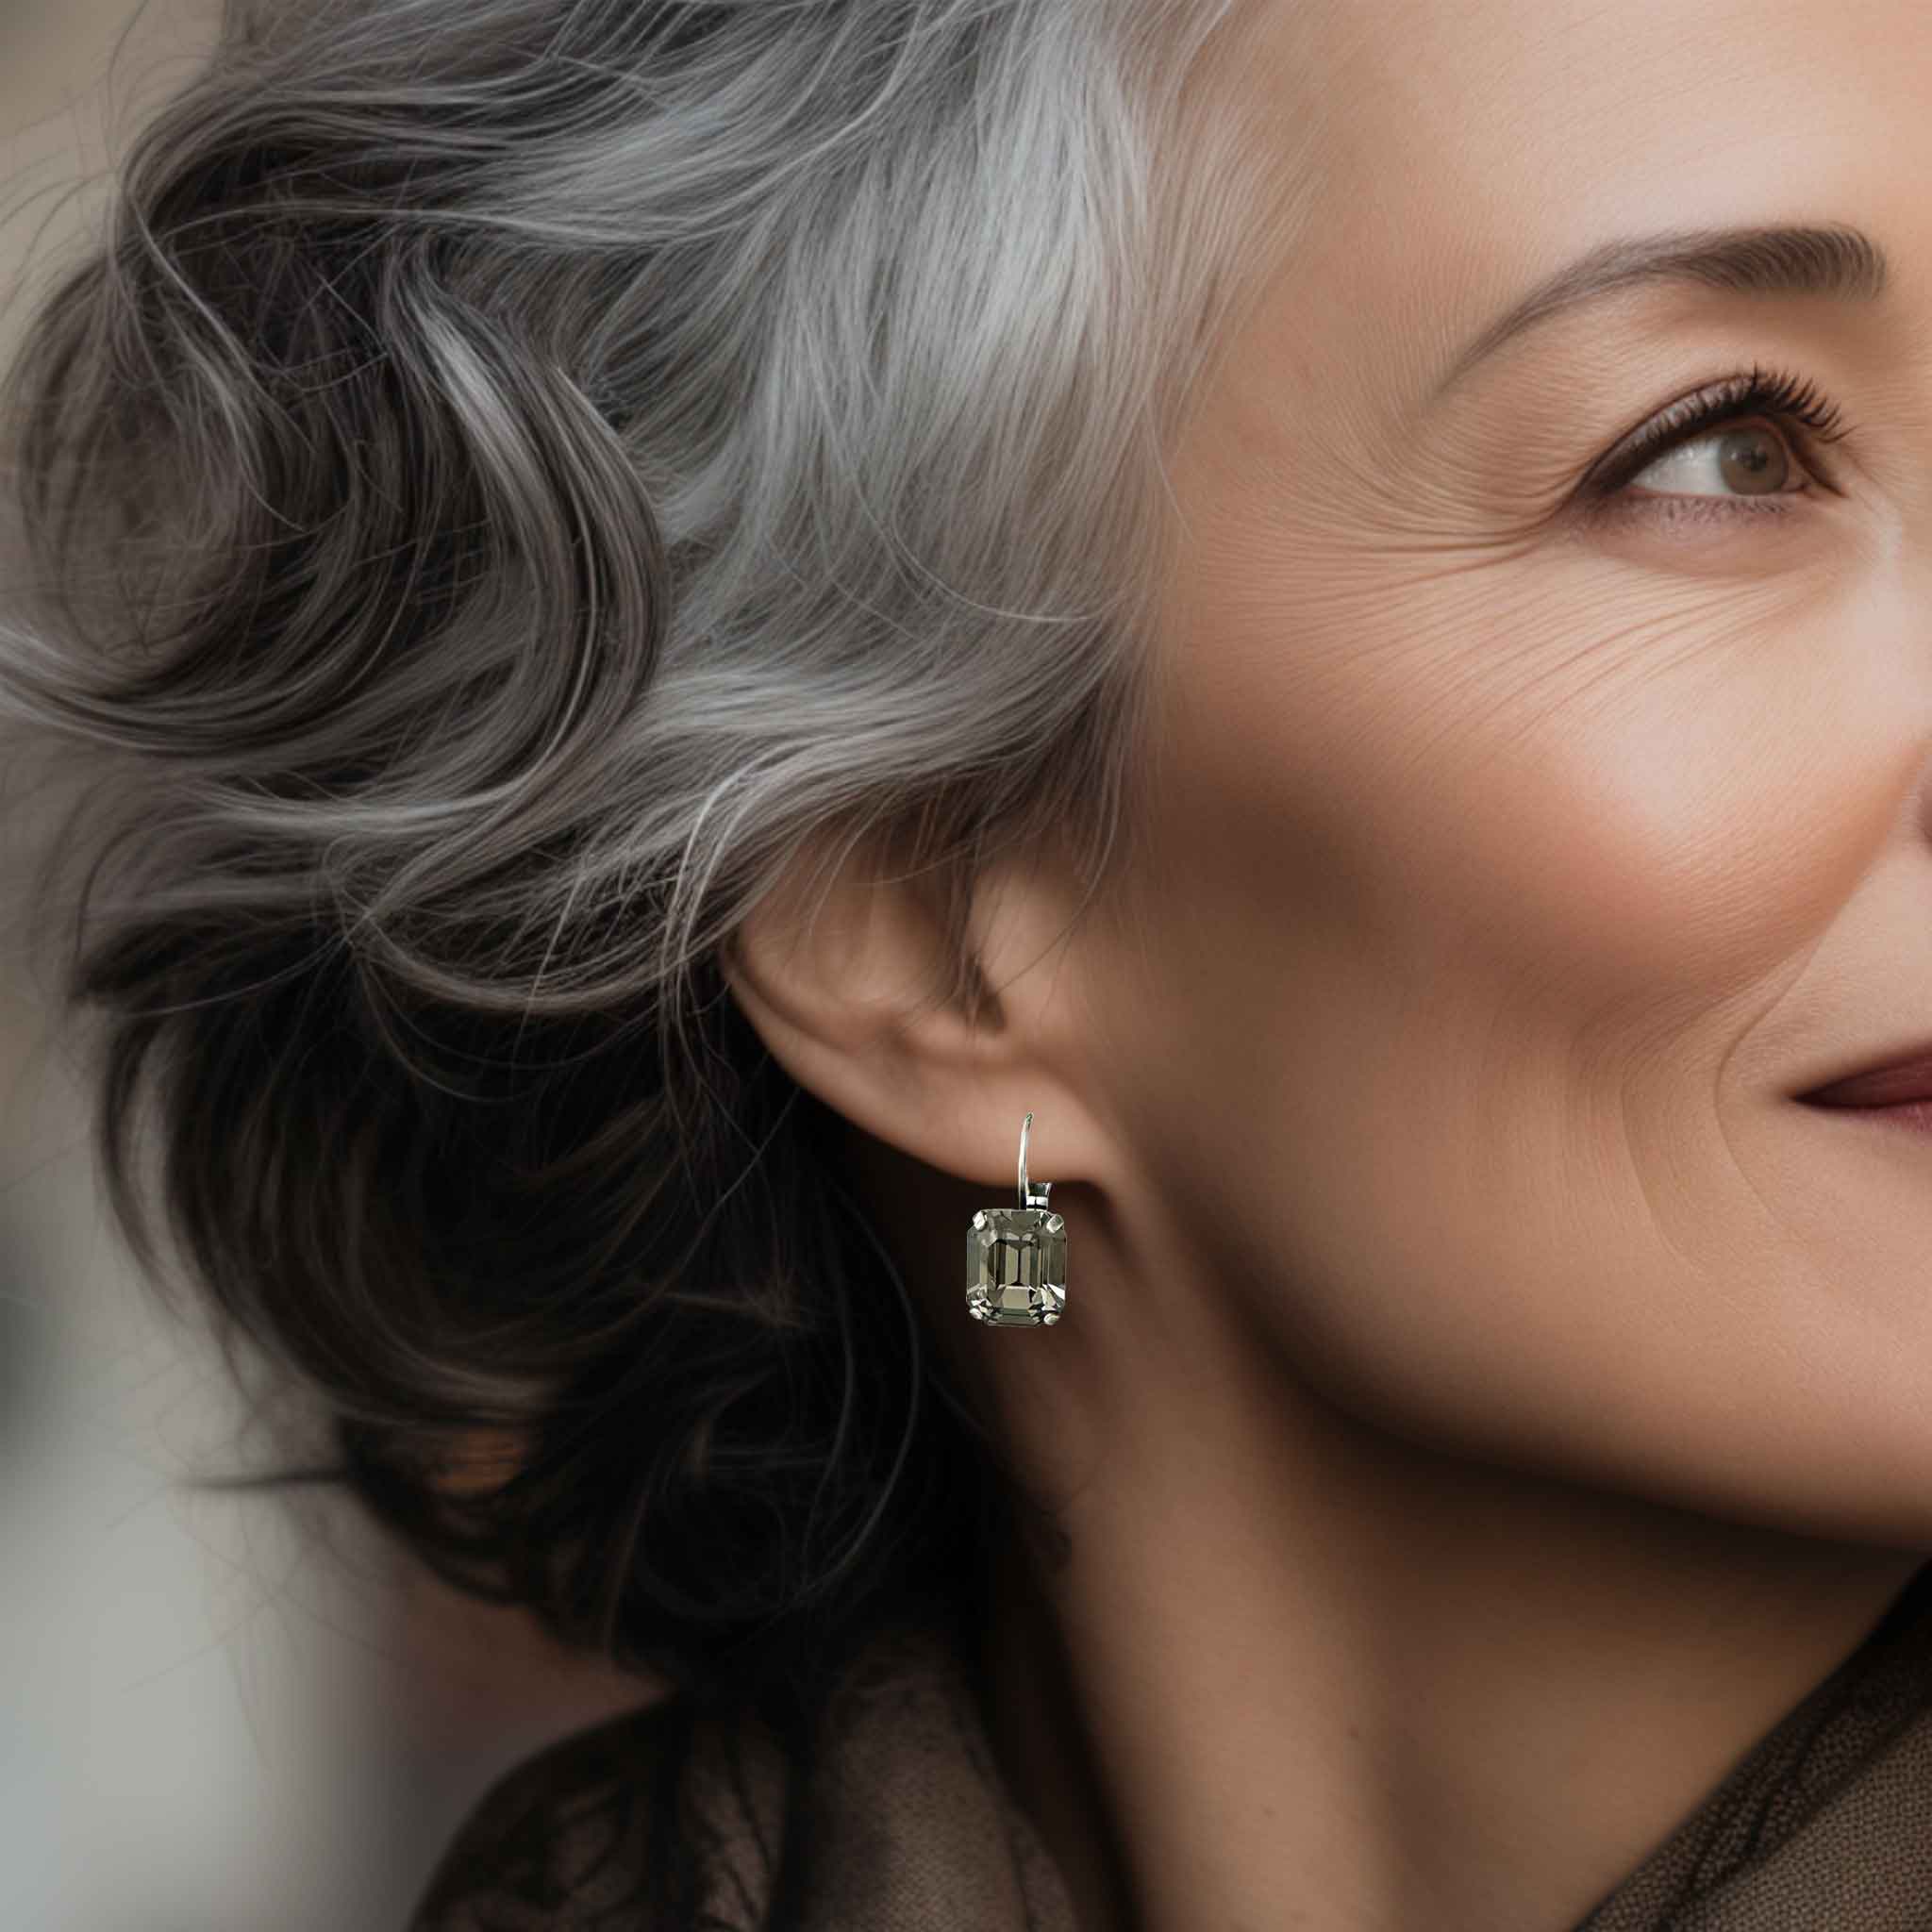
<point>1030,1196</point>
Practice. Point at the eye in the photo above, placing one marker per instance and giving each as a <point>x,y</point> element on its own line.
<point>1700,459</point>
<point>1755,461</point>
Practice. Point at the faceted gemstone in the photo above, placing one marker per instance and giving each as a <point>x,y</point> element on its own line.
<point>1016,1266</point>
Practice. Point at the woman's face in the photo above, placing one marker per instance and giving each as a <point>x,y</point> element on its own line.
<point>1520,852</point>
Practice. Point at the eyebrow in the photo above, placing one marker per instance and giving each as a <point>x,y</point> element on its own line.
<point>1837,261</point>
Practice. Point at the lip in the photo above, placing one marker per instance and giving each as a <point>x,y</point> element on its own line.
<point>1899,1077</point>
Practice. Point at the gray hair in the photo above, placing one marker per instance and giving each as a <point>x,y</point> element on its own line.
<point>513,478</point>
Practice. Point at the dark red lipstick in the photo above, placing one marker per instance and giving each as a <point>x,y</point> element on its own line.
<point>1896,1091</point>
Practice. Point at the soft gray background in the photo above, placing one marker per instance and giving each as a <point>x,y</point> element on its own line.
<point>210,1719</point>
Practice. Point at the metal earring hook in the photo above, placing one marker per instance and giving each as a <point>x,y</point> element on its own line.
<point>1030,1196</point>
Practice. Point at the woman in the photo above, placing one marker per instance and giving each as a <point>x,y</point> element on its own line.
<point>710,639</point>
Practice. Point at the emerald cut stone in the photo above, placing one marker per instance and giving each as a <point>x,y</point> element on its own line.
<point>1016,1266</point>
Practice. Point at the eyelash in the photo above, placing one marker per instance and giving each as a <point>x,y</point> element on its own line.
<point>1761,392</point>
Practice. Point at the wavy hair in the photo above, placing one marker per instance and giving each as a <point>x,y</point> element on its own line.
<point>508,482</point>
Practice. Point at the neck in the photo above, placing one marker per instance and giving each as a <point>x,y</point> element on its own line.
<point>1299,1668</point>
<point>1295,1672</point>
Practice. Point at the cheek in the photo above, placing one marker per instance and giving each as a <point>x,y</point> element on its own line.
<point>1655,812</point>
<point>1463,898</point>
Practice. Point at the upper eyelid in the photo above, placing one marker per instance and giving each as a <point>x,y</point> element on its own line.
<point>1707,410</point>
<point>1654,436</point>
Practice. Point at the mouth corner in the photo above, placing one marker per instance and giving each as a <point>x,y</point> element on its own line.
<point>1898,1079</point>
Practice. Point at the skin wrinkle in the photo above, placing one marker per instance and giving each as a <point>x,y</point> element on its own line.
<point>1795,979</point>
<point>1486,1405</point>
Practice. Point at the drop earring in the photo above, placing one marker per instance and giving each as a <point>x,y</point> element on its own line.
<point>1016,1258</point>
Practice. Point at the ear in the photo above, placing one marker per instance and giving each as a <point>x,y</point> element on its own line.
<point>846,973</point>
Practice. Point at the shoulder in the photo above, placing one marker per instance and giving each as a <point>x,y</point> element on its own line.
<point>667,1818</point>
<point>562,1841</point>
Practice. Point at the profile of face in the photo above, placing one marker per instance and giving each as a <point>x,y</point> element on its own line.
<point>1541,797</point>
<point>1535,809</point>
<point>1542,807</point>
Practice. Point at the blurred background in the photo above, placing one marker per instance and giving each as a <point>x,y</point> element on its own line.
<point>217,1713</point>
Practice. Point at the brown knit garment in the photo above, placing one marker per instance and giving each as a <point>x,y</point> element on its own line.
<point>1825,1822</point>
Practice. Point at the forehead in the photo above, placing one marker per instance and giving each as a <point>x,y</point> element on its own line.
<point>1459,150</point>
